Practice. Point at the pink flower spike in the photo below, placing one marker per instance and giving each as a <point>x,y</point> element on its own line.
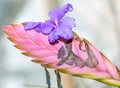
<point>77,57</point>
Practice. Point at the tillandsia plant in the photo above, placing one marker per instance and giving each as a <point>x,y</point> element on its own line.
<point>54,45</point>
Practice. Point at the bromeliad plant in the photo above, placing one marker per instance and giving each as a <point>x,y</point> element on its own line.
<point>54,45</point>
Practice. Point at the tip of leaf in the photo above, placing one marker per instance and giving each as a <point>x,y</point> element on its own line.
<point>36,60</point>
<point>25,53</point>
<point>86,41</point>
<point>75,35</point>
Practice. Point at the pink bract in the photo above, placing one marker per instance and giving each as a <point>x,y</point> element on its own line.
<point>37,46</point>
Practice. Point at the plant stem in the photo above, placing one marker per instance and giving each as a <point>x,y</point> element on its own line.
<point>58,79</point>
<point>47,77</point>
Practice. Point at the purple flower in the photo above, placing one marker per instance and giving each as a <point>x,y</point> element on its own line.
<point>57,27</point>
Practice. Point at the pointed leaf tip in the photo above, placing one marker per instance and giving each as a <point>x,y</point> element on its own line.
<point>86,41</point>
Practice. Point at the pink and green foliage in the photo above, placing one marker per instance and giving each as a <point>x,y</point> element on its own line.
<point>78,57</point>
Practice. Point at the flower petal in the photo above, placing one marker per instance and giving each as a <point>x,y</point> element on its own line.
<point>58,13</point>
<point>37,26</point>
<point>60,32</point>
<point>30,25</point>
<point>68,7</point>
<point>68,21</point>
<point>64,32</point>
<point>48,27</point>
<point>52,37</point>
<point>50,22</point>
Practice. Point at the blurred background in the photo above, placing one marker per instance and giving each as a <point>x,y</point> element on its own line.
<point>96,20</point>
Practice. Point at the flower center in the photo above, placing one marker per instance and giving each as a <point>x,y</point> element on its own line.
<point>56,23</point>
